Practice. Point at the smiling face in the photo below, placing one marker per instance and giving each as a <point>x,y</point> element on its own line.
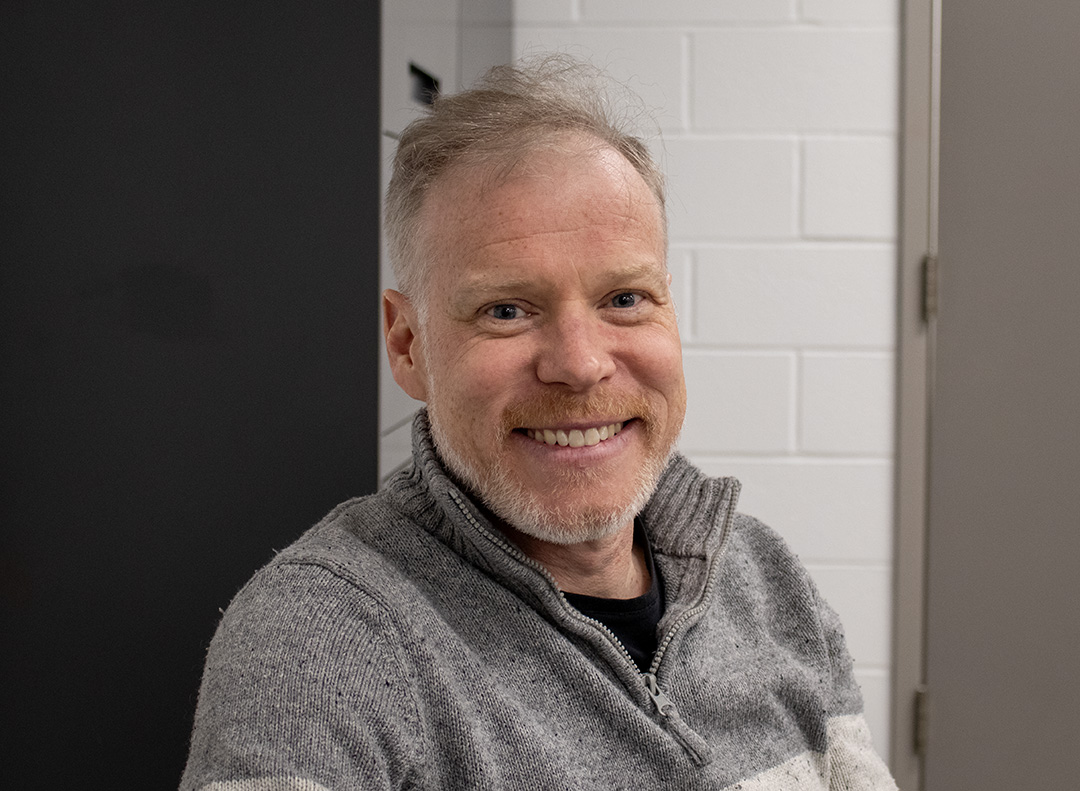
<point>548,354</point>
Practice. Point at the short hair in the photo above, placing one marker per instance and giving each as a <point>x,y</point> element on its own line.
<point>512,110</point>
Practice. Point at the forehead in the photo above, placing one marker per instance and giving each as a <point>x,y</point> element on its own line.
<point>576,199</point>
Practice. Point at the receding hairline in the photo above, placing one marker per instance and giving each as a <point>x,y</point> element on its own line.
<point>513,111</point>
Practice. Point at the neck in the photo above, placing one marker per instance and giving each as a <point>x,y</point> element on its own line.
<point>611,567</point>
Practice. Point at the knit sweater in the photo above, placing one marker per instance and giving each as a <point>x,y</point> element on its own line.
<point>403,643</point>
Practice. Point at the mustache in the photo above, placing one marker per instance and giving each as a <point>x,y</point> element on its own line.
<point>555,408</point>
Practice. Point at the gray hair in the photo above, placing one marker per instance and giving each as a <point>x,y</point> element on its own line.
<point>512,111</point>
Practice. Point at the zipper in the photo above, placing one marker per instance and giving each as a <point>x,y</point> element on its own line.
<point>659,699</point>
<point>706,597</point>
<point>664,705</point>
<point>662,701</point>
<point>517,554</point>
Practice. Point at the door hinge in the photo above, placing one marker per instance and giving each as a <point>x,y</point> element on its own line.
<point>922,719</point>
<point>929,287</point>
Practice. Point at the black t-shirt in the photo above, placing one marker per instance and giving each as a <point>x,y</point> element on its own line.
<point>632,620</point>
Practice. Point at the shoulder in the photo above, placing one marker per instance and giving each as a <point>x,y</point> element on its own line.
<point>764,575</point>
<point>309,660</point>
<point>755,558</point>
<point>359,549</point>
<point>306,677</point>
<point>764,579</point>
<point>753,540</point>
<point>758,559</point>
<point>297,619</point>
<point>337,591</point>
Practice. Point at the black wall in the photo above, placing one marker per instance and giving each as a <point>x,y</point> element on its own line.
<point>188,309</point>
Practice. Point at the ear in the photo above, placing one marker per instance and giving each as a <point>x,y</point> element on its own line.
<point>400,329</point>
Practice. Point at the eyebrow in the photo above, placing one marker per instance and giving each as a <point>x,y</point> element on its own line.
<point>483,282</point>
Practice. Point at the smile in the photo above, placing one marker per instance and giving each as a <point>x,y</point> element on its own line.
<point>574,438</point>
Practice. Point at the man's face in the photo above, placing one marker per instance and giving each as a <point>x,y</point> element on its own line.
<point>550,355</point>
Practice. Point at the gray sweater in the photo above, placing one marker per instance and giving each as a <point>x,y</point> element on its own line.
<point>402,643</point>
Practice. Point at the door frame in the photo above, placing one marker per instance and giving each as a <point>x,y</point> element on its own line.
<point>917,243</point>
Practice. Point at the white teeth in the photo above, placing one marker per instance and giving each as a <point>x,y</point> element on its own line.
<point>575,438</point>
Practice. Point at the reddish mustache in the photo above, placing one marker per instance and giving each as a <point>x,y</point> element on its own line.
<point>554,409</point>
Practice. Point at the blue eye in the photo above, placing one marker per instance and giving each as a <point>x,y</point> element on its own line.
<point>625,300</point>
<point>505,312</point>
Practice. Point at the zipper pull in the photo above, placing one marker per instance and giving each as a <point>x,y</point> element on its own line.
<point>659,699</point>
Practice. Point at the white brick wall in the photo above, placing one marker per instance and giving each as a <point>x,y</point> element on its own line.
<point>779,123</point>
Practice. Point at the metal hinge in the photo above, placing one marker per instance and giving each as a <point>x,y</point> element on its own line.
<point>929,287</point>
<point>922,719</point>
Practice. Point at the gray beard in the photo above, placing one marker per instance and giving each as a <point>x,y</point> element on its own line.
<point>539,517</point>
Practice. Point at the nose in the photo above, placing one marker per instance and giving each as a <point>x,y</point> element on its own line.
<point>576,352</point>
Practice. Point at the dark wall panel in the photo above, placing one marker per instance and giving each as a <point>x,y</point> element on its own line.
<point>188,298</point>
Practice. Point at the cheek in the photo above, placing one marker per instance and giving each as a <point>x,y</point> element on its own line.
<point>477,381</point>
<point>659,362</point>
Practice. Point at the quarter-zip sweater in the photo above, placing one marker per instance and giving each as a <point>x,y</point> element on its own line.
<point>403,643</point>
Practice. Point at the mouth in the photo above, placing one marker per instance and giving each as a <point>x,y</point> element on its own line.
<point>575,437</point>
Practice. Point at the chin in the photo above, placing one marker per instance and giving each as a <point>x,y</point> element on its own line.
<point>533,513</point>
<point>557,527</point>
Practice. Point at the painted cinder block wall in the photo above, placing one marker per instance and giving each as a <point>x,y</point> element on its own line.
<point>779,137</point>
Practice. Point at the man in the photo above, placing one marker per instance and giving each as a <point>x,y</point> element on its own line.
<point>550,597</point>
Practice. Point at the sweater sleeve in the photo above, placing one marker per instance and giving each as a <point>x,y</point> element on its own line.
<point>852,762</point>
<point>304,689</point>
<point>802,620</point>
